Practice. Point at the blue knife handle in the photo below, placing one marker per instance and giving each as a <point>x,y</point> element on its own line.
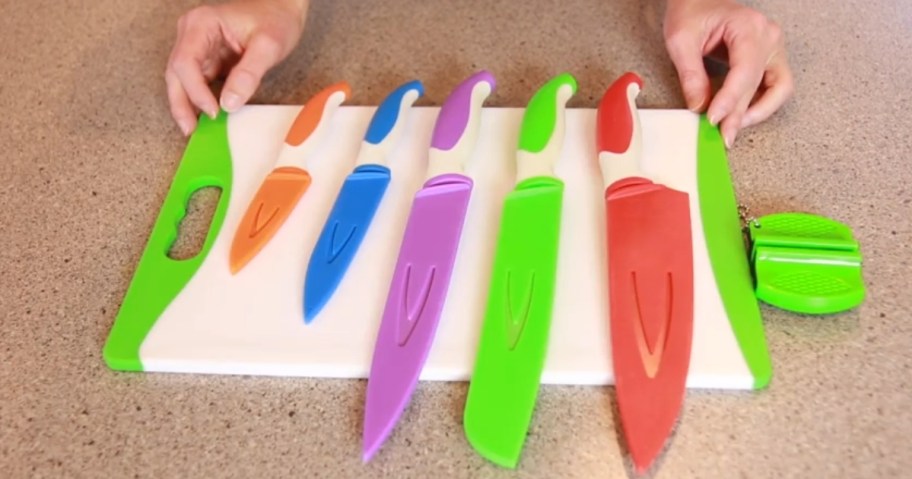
<point>389,112</point>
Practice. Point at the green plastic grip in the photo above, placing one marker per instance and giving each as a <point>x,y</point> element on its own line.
<point>540,120</point>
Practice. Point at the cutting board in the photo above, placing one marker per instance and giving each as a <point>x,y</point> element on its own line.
<point>194,316</point>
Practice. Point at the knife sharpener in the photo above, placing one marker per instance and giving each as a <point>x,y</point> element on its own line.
<point>806,263</point>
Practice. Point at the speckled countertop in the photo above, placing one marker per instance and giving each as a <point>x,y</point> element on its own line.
<point>89,151</point>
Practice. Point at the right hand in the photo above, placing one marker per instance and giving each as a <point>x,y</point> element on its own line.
<point>759,81</point>
<point>243,38</point>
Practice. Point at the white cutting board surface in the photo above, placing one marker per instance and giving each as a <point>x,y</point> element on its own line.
<point>252,323</point>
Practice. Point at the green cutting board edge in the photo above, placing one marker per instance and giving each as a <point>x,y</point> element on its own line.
<point>727,252</point>
<point>158,278</point>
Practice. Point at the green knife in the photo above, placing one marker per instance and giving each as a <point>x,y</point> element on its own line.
<point>514,336</point>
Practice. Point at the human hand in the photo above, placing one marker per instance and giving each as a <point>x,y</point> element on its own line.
<point>759,80</point>
<point>243,38</point>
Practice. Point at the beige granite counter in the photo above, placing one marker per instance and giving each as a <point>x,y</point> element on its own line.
<point>89,150</point>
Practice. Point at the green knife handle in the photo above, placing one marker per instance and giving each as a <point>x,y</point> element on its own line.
<point>541,135</point>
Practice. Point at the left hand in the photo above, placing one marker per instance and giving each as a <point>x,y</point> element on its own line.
<point>240,39</point>
<point>759,80</point>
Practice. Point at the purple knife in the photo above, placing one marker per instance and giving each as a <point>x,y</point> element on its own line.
<point>421,279</point>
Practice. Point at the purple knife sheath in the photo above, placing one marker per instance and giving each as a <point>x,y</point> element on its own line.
<point>416,298</point>
<point>421,278</point>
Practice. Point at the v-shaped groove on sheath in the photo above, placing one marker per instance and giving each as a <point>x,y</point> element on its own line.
<point>412,310</point>
<point>516,323</point>
<point>259,226</point>
<point>333,250</point>
<point>651,355</point>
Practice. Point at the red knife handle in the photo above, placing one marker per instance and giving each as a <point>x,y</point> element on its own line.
<point>615,122</point>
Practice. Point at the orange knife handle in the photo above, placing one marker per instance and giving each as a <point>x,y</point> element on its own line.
<point>309,117</point>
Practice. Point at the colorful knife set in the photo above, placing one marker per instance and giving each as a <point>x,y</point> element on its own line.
<point>506,247</point>
<point>649,260</point>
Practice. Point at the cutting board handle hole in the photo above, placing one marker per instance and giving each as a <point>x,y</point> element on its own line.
<point>193,227</point>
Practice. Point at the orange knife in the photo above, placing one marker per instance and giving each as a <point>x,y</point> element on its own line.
<point>284,186</point>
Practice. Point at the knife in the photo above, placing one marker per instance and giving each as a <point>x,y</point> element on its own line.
<point>514,336</point>
<point>418,289</point>
<point>650,279</point>
<point>358,201</point>
<point>283,187</point>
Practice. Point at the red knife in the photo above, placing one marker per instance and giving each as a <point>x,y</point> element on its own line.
<point>650,279</point>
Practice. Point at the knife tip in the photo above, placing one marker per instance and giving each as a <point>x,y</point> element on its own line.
<point>311,309</point>
<point>645,449</point>
<point>491,444</point>
<point>235,264</point>
<point>373,440</point>
<point>368,454</point>
<point>642,465</point>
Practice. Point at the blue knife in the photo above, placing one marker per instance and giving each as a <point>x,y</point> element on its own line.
<point>357,202</point>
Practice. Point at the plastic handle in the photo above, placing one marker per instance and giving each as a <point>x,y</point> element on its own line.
<point>618,131</point>
<point>386,126</point>
<point>541,136</point>
<point>458,122</point>
<point>391,109</point>
<point>309,127</point>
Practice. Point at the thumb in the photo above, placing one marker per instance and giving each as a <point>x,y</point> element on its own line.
<point>687,56</point>
<point>262,53</point>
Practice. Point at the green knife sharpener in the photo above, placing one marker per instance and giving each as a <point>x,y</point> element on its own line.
<point>806,263</point>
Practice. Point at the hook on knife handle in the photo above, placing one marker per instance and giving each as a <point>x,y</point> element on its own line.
<point>309,124</point>
<point>390,112</point>
<point>541,135</point>
<point>618,131</point>
<point>460,116</point>
<point>388,123</point>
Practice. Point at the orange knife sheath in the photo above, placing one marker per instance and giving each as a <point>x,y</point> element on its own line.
<point>269,209</point>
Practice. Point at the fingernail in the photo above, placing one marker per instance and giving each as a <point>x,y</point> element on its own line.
<point>695,104</point>
<point>730,139</point>
<point>231,101</point>
<point>185,127</point>
<point>210,110</point>
<point>716,113</point>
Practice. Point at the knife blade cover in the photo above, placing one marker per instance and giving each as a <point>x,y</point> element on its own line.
<point>514,337</point>
<point>358,200</point>
<point>650,279</point>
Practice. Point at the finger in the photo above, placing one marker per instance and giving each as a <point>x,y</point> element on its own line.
<point>187,60</point>
<point>218,62</point>
<point>780,86</point>
<point>190,76</point>
<point>731,125</point>
<point>182,110</point>
<point>687,56</point>
<point>262,53</point>
<point>748,61</point>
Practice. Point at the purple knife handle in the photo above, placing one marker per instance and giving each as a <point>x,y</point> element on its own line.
<point>453,120</point>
